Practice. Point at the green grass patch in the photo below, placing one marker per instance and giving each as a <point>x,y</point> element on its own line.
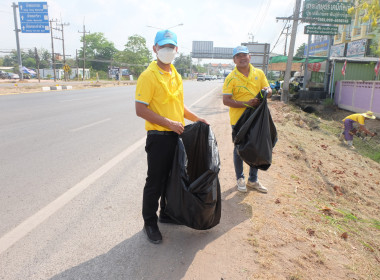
<point>330,128</point>
<point>294,177</point>
<point>369,149</point>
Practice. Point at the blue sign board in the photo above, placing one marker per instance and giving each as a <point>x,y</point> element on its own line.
<point>34,17</point>
<point>318,49</point>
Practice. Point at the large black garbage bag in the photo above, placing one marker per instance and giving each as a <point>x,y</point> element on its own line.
<point>255,135</point>
<point>193,193</point>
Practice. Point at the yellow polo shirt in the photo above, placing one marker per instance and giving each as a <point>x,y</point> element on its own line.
<point>243,88</point>
<point>359,118</point>
<point>151,92</point>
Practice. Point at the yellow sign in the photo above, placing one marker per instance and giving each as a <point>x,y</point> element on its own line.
<point>66,68</point>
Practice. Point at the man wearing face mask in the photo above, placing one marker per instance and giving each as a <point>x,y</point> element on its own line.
<point>159,100</point>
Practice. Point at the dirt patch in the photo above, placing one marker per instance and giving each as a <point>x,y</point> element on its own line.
<point>320,219</point>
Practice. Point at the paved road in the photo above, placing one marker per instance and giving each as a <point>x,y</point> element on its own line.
<point>72,170</point>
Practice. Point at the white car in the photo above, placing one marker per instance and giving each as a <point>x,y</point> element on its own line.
<point>13,75</point>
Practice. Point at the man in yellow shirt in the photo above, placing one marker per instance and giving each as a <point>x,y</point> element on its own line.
<point>240,89</point>
<point>159,100</point>
<point>348,133</point>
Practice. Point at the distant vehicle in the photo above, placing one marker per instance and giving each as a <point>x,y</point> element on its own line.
<point>3,75</point>
<point>201,77</point>
<point>208,77</point>
<point>11,75</point>
<point>226,72</point>
<point>214,77</point>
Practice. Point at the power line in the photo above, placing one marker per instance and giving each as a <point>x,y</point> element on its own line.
<point>264,14</point>
<point>279,36</point>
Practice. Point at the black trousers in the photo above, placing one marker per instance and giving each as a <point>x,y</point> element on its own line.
<point>160,151</point>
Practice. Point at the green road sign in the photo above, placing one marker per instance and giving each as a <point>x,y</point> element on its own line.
<point>321,30</point>
<point>326,12</point>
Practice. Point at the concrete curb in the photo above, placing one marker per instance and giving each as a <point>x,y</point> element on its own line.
<point>56,88</point>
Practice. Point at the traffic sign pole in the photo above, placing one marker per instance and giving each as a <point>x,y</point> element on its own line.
<point>17,41</point>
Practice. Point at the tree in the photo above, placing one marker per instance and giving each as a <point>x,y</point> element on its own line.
<point>371,12</point>
<point>45,58</point>
<point>182,63</point>
<point>199,68</point>
<point>301,50</point>
<point>99,51</point>
<point>28,59</point>
<point>136,54</point>
<point>370,8</point>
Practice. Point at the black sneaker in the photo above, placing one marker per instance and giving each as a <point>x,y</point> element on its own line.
<point>164,219</point>
<point>153,233</point>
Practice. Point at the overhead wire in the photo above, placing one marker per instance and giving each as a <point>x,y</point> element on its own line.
<point>279,36</point>
<point>256,17</point>
<point>264,13</point>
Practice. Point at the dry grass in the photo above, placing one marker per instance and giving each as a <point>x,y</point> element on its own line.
<point>320,219</point>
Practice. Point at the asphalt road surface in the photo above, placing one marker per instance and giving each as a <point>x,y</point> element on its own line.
<point>72,170</point>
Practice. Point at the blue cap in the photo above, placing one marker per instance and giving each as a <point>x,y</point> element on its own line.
<point>240,49</point>
<point>164,37</point>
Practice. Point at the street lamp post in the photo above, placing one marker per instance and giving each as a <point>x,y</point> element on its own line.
<point>179,24</point>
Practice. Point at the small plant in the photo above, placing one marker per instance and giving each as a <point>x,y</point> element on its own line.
<point>328,102</point>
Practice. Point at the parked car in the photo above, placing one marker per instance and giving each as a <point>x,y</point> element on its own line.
<point>208,77</point>
<point>201,77</point>
<point>11,75</point>
<point>3,75</point>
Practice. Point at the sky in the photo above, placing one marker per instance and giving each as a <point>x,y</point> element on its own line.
<point>226,23</point>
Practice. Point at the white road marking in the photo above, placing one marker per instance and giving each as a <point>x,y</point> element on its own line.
<point>32,222</point>
<point>204,96</point>
<point>89,125</point>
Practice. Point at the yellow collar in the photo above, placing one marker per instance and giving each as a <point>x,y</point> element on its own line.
<point>246,80</point>
<point>158,74</point>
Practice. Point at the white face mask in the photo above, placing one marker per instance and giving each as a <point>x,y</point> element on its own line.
<point>166,55</point>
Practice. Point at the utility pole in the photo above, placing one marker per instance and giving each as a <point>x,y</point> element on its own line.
<point>63,47</point>
<point>38,63</point>
<point>250,36</point>
<point>76,58</point>
<point>285,95</point>
<point>52,49</point>
<point>59,28</point>
<point>305,71</point>
<point>17,41</point>
<point>84,49</point>
<point>286,37</point>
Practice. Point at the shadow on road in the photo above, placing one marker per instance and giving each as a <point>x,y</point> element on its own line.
<point>136,258</point>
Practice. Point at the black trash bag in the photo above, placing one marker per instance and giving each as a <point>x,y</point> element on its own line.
<point>255,135</point>
<point>193,195</point>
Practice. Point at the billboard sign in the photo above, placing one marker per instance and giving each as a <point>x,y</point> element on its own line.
<point>331,12</point>
<point>206,49</point>
<point>318,48</point>
<point>34,17</point>
<point>337,50</point>
<point>356,48</point>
